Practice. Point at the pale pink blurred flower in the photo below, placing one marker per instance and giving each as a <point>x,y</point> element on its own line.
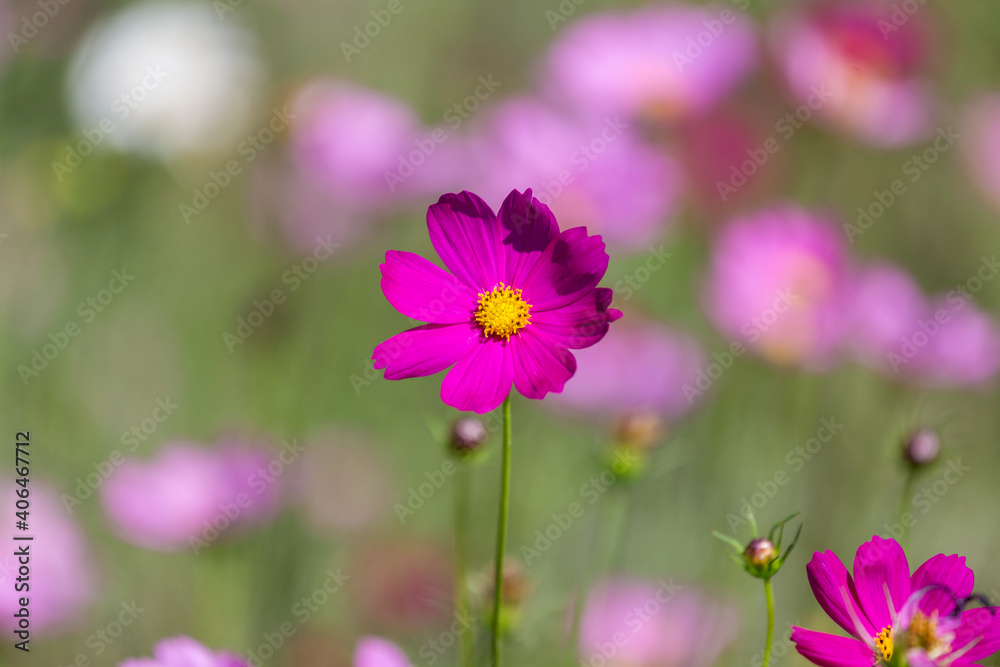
<point>859,66</point>
<point>981,145</point>
<point>593,173</point>
<point>185,652</point>
<point>378,652</point>
<point>636,368</point>
<point>631,622</point>
<point>885,305</point>
<point>62,581</point>
<point>778,281</point>
<point>188,495</point>
<point>661,62</point>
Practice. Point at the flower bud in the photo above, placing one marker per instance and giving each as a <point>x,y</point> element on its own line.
<point>922,447</point>
<point>760,552</point>
<point>468,436</point>
<point>639,430</point>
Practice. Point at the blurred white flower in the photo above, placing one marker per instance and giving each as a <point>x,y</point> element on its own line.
<point>165,79</point>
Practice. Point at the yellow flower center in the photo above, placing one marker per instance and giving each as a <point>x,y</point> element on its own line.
<point>924,634</point>
<point>502,312</point>
<point>883,642</point>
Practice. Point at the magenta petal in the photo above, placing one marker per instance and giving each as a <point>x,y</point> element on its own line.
<point>571,266</point>
<point>467,236</point>
<point>834,590</point>
<point>378,652</point>
<point>424,350</point>
<point>827,650</point>
<point>421,290</point>
<point>950,580</point>
<point>540,365</point>
<point>529,227</point>
<point>580,324</point>
<point>880,564</point>
<point>981,625</point>
<point>481,380</point>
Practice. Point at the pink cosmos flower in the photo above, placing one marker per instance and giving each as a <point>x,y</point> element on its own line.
<point>777,283</point>
<point>185,652</point>
<point>981,145</point>
<point>62,577</point>
<point>378,652</point>
<point>520,295</point>
<point>858,65</point>
<point>595,174</point>
<point>635,369</point>
<point>637,623</point>
<point>187,495</point>
<point>886,610</point>
<point>660,62</point>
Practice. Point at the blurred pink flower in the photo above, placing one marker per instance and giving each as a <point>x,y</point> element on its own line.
<point>62,579</point>
<point>378,652</point>
<point>777,282</point>
<point>660,62</point>
<point>635,369</point>
<point>885,305</point>
<point>188,495</point>
<point>981,145</point>
<point>593,174</point>
<point>185,652</point>
<point>638,623</point>
<point>858,65</point>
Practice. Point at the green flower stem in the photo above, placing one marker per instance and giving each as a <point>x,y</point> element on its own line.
<point>501,532</point>
<point>769,594</point>
<point>904,503</point>
<point>461,590</point>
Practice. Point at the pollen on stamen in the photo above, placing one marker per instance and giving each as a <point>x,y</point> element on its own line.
<point>502,312</point>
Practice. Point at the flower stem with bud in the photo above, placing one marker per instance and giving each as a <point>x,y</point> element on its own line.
<point>501,532</point>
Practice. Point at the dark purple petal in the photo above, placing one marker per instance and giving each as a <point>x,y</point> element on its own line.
<point>880,564</point>
<point>834,590</point>
<point>480,381</point>
<point>467,236</point>
<point>421,290</point>
<point>529,227</point>
<point>982,626</point>
<point>580,324</point>
<point>827,650</point>
<point>425,350</point>
<point>540,364</point>
<point>571,266</point>
<point>950,580</point>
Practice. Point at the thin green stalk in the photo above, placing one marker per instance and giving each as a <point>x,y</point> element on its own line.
<point>904,503</point>
<point>461,590</point>
<point>501,532</point>
<point>769,594</point>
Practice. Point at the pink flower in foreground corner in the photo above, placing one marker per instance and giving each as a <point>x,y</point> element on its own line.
<point>185,652</point>
<point>520,295</point>
<point>378,652</point>
<point>885,610</point>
